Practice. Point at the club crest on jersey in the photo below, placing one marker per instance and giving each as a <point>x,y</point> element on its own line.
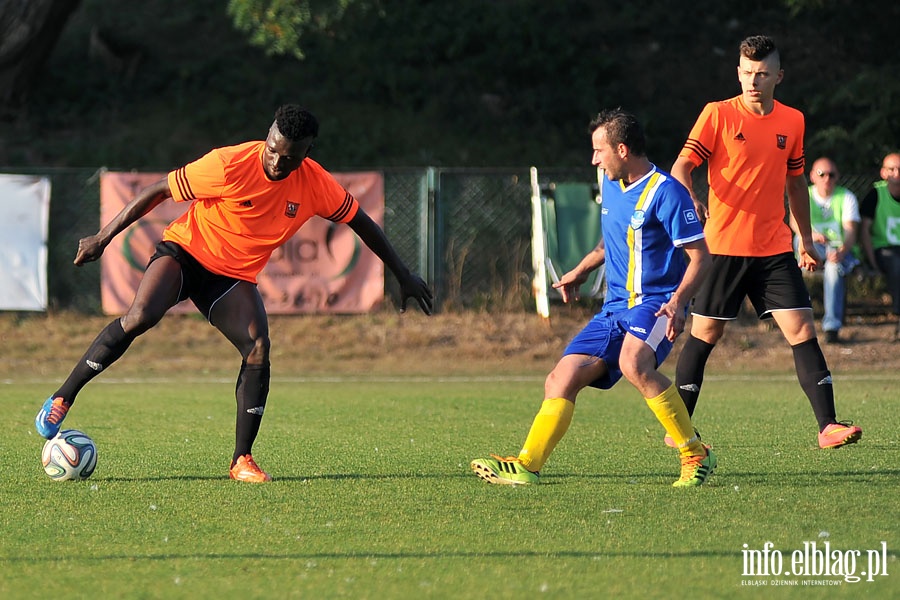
<point>290,210</point>
<point>637,219</point>
<point>782,141</point>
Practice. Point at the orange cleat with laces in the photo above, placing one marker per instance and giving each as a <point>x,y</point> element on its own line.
<point>246,469</point>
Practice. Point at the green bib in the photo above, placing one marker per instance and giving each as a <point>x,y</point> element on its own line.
<point>886,226</point>
<point>828,222</point>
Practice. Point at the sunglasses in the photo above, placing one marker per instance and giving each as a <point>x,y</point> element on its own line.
<point>822,173</point>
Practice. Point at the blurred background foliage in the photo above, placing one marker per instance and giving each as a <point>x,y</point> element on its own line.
<point>463,83</point>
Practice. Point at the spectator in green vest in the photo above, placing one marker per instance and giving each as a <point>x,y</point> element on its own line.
<point>880,231</point>
<point>834,217</point>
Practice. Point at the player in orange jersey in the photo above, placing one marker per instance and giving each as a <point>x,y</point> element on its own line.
<point>246,201</point>
<point>753,146</point>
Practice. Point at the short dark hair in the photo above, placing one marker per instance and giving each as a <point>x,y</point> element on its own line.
<point>295,122</point>
<point>759,47</point>
<point>621,128</point>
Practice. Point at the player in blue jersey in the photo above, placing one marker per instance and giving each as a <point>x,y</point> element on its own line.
<point>649,224</point>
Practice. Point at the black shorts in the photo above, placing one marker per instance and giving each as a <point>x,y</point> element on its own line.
<point>198,283</point>
<point>770,282</point>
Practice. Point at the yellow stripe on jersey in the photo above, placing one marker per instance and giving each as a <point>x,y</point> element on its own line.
<point>636,243</point>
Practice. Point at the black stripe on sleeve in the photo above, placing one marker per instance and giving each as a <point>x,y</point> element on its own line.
<point>699,149</point>
<point>795,163</point>
<point>184,186</point>
<point>344,208</point>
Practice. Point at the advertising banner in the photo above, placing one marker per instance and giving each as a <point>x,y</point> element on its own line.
<point>324,268</point>
<point>24,213</point>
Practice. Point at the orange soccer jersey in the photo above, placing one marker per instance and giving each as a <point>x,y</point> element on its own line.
<point>750,157</point>
<point>240,216</point>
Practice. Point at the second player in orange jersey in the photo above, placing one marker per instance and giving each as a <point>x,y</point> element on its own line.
<point>753,147</point>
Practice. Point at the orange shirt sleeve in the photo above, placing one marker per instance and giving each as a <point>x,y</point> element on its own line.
<point>330,199</point>
<point>203,178</point>
<point>702,139</point>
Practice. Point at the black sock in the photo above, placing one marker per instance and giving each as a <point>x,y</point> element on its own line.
<point>815,379</point>
<point>109,345</point>
<point>689,370</point>
<point>251,392</point>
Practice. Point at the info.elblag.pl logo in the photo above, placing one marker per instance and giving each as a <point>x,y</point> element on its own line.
<point>813,564</point>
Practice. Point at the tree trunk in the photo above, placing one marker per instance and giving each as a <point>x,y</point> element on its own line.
<point>29,29</point>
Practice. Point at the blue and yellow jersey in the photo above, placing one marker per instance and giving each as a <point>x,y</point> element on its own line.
<point>645,224</point>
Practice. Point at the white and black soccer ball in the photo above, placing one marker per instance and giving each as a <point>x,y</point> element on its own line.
<point>71,455</point>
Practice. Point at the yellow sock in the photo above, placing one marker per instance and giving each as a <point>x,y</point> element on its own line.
<point>672,414</point>
<point>550,424</point>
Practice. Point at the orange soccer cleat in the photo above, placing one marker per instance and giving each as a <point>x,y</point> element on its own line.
<point>246,469</point>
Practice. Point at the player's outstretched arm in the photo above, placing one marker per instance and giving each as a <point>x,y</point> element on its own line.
<point>569,284</point>
<point>92,247</point>
<point>411,285</point>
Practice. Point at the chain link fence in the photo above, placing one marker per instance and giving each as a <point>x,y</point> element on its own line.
<point>467,231</point>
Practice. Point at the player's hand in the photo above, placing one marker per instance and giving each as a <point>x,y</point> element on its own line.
<point>569,285</point>
<point>676,318</point>
<point>808,258</point>
<point>89,250</point>
<point>414,286</point>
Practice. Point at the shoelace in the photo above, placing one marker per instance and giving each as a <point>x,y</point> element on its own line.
<point>506,459</point>
<point>57,411</point>
<point>250,465</point>
<point>519,467</point>
<point>693,463</point>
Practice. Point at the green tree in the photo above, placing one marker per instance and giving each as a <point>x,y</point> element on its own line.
<point>277,26</point>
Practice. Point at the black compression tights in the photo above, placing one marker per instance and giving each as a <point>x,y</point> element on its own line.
<point>106,349</point>
<point>251,392</point>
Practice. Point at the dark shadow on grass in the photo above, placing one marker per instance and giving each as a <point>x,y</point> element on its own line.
<point>501,555</point>
<point>816,478</point>
<point>505,555</point>
<point>556,479</point>
<point>791,478</point>
<point>547,480</point>
<point>294,478</point>
<point>160,478</point>
<point>728,447</point>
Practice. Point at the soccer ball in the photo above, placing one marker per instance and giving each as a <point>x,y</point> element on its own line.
<point>70,455</point>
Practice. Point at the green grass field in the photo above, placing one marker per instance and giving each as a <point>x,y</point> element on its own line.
<point>373,496</point>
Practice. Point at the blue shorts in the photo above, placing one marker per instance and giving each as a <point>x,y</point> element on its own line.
<point>602,337</point>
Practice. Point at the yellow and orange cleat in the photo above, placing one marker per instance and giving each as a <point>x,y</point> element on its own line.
<point>839,434</point>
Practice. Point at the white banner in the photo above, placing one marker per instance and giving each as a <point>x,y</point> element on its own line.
<point>24,212</point>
